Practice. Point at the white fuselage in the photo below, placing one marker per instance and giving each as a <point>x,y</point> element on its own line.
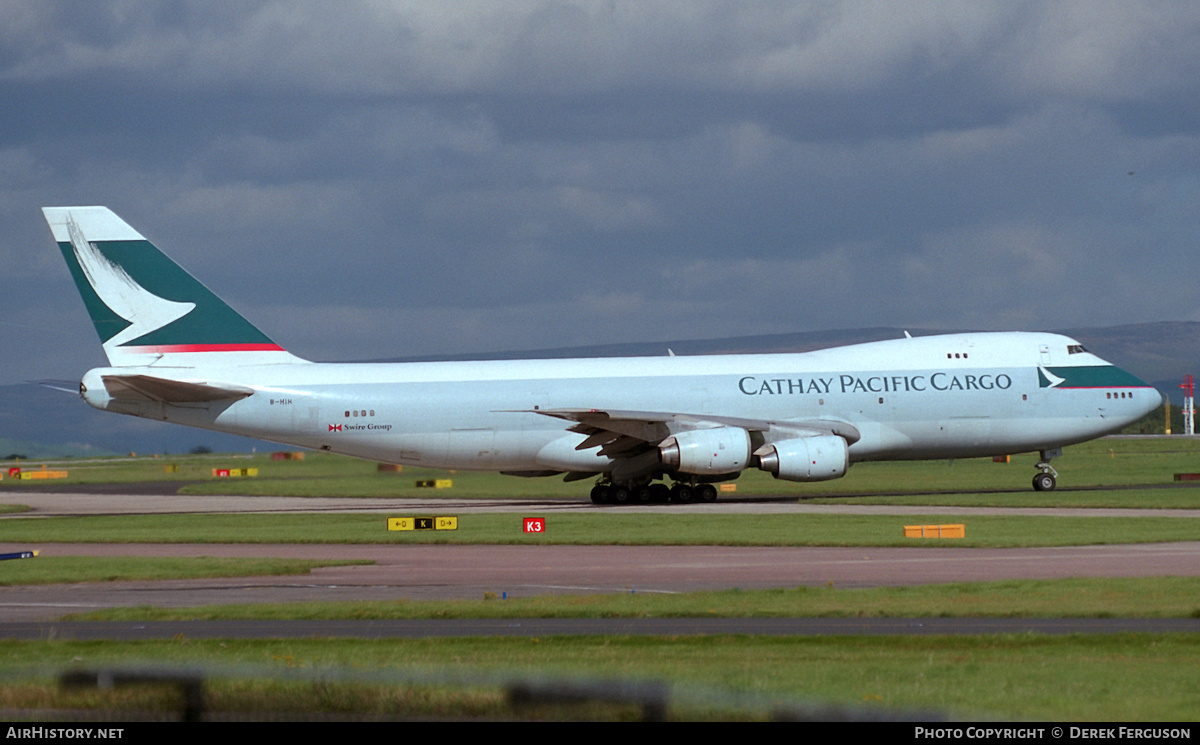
<point>930,397</point>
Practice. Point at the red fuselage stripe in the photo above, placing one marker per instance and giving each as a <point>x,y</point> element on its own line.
<point>178,348</point>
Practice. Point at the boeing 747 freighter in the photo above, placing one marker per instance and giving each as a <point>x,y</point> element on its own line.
<point>179,354</point>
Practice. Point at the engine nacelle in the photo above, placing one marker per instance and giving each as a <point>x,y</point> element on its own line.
<point>707,452</point>
<point>818,458</point>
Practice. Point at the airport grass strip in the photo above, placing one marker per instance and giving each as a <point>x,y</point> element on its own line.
<point>1123,677</point>
<point>1107,462</point>
<point>607,528</point>
<point>64,569</point>
<point>1182,496</point>
<point>1143,597</point>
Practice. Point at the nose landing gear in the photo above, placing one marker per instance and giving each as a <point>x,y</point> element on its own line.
<point>1047,479</point>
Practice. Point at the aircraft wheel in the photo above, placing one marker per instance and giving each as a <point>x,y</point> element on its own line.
<point>642,493</point>
<point>600,494</point>
<point>1044,482</point>
<point>660,493</point>
<point>620,494</point>
<point>682,493</point>
<point>706,493</point>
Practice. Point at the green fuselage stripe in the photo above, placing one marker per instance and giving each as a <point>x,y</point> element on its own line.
<point>1094,376</point>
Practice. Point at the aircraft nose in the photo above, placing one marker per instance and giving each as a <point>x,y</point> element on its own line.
<point>1154,401</point>
<point>1150,400</point>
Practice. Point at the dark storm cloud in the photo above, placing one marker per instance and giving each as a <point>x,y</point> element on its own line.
<point>376,179</point>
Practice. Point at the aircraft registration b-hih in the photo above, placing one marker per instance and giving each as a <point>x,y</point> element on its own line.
<point>180,354</point>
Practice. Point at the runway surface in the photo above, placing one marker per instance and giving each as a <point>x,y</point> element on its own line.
<point>432,572</point>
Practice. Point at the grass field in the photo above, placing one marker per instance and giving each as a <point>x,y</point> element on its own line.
<point>71,569</point>
<point>1148,461</point>
<point>610,527</point>
<point>1127,677</point>
<point>1083,677</point>
<point>1155,597</point>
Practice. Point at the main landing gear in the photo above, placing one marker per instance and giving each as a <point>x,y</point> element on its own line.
<point>1047,479</point>
<point>680,492</point>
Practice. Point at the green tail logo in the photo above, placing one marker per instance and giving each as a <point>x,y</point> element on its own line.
<point>142,304</point>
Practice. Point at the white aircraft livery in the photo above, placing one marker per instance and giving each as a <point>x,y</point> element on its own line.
<point>180,354</point>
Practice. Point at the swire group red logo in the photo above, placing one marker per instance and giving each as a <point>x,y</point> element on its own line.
<point>335,428</point>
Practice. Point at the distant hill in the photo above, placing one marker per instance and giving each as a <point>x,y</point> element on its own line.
<point>1159,353</point>
<point>43,423</point>
<point>39,422</point>
<point>768,343</point>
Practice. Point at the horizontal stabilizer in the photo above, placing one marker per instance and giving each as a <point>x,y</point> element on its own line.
<point>150,388</point>
<point>66,386</point>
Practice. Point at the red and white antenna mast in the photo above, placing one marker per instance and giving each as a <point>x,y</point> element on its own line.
<point>1189,406</point>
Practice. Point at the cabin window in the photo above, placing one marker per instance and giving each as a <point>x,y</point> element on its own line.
<point>1075,349</point>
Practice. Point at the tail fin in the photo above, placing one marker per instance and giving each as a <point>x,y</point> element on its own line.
<point>146,309</point>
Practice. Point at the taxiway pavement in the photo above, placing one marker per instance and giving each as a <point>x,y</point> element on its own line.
<point>432,572</point>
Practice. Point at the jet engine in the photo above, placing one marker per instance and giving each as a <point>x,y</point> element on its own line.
<point>707,452</point>
<point>816,458</point>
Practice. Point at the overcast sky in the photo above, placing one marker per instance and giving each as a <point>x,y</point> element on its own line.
<point>381,179</point>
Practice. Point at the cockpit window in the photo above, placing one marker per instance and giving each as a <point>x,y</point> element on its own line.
<point>1075,349</point>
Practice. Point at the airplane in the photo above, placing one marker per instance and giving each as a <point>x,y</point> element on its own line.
<point>179,354</point>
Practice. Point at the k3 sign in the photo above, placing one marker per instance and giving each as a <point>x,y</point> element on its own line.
<point>535,524</point>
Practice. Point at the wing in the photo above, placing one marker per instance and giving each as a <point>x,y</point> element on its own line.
<point>617,433</point>
<point>629,433</point>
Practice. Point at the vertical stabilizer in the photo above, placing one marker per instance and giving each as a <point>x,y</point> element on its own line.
<point>146,309</point>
